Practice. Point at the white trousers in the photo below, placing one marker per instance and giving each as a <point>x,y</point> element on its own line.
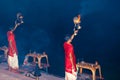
<point>13,61</point>
<point>70,76</point>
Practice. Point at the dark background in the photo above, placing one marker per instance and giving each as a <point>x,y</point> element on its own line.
<point>46,22</point>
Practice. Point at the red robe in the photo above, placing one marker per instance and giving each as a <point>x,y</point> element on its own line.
<point>68,48</point>
<point>11,38</point>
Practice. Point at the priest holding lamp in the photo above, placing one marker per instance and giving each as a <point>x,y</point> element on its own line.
<point>70,58</point>
<point>12,49</point>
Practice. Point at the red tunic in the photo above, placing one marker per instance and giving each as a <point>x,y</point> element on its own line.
<point>11,38</point>
<point>68,48</point>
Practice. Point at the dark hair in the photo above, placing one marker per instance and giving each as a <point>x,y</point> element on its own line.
<point>67,37</point>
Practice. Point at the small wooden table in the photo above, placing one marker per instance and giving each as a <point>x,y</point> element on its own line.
<point>38,57</point>
<point>89,66</point>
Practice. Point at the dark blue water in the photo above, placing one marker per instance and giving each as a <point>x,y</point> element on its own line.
<point>46,22</point>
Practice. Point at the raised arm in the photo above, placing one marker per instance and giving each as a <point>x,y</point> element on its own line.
<point>18,21</point>
<point>16,25</point>
<point>72,36</point>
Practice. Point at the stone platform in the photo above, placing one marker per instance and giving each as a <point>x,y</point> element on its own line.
<point>7,75</point>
